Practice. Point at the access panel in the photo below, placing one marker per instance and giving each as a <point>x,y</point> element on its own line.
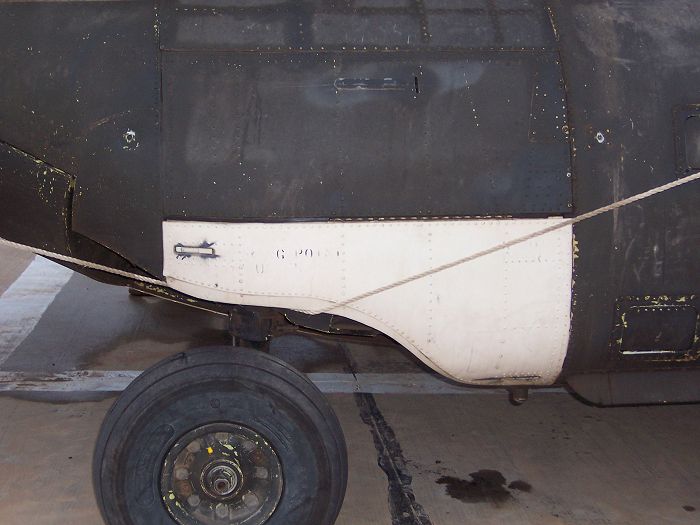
<point>318,111</point>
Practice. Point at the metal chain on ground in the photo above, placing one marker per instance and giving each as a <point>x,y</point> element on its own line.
<point>400,282</point>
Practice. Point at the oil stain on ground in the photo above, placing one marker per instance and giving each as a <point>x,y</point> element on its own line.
<point>485,486</point>
<point>520,485</point>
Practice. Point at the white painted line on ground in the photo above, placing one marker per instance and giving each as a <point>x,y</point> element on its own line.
<point>26,300</point>
<point>118,380</point>
<point>78,381</point>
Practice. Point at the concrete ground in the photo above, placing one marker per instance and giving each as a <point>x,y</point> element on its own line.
<point>415,459</point>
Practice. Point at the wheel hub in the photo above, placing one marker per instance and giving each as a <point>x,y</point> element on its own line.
<point>221,478</point>
<point>221,474</point>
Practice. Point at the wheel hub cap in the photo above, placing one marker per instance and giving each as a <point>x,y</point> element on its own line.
<point>221,474</point>
<point>221,478</point>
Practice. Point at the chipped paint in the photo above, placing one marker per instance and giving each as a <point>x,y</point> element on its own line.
<point>130,140</point>
<point>651,303</point>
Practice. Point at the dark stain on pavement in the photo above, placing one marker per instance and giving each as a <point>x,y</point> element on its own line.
<point>688,508</point>
<point>520,485</point>
<point>485,486</point>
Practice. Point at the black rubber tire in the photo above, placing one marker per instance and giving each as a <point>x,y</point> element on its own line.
<point>210,385</point>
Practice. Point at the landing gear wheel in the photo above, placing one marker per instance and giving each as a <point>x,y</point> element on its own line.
<point>220,437</point>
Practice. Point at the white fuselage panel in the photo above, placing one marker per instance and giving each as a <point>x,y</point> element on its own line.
<point>500,319</point>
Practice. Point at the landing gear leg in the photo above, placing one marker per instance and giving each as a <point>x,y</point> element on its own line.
<point>252,327</point>
<point>262,346</point>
